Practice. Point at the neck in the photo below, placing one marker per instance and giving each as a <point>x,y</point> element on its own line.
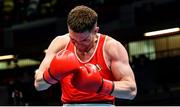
<point>89,50</point>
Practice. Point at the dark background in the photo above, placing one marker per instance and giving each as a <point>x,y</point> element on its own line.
<point>28,26</point>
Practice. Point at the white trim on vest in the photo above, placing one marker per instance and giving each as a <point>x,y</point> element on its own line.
<point>104,53</point>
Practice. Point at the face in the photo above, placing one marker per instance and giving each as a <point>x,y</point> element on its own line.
<point>83,41</point>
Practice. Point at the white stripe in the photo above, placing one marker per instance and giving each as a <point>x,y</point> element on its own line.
<point>104,53</point>
<point>68,42</point>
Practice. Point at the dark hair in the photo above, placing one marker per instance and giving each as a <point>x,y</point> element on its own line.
<point>81,19</point>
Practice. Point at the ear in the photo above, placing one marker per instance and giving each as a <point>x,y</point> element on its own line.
<point>68,28</point>
<point>96,29</point>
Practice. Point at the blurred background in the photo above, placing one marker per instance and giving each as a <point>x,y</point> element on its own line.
<point>28,26</point>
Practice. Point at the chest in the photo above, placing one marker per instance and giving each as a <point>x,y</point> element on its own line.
<point>95,56</point>
<point>85,56</point>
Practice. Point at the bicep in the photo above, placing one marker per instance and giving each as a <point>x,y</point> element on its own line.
<point>120,66</point>
<point>122,70</point>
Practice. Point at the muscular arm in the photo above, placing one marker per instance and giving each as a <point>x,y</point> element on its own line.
<point>125,85</point>
<point>56,45</point>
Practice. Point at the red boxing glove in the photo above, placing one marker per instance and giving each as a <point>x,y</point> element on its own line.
<point>88,79</point>
<point>63,63</point>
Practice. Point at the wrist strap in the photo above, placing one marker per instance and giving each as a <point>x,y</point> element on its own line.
<point>48,77</point>
<point>107,87</point>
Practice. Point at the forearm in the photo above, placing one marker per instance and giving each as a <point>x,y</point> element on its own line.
<point>124,90</point>
<point>39,82</point>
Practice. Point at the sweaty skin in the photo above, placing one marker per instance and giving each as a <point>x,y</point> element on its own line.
<point>116,59</point>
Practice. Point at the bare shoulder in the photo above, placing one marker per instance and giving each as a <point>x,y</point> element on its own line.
<point>115,50</point>
<point>58,43</point>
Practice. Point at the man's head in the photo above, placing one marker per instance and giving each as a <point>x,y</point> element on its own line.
<point>81,19</point>
<point>82,26</point>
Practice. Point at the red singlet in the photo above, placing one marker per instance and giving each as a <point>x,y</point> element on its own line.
<point>71,94</point>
